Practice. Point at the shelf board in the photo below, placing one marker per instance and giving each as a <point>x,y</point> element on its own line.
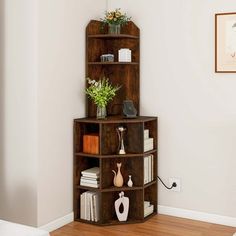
<point>113,63</point>
<point>110,222</point>
<point>116,119</point>
<point>113,36</point>
<point>115,155</point>
<point>111,189</point>
<point>150,183</point>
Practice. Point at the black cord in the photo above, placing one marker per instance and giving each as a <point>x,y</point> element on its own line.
<point>173,184</point>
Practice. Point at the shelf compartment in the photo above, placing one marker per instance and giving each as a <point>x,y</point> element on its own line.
<point>108,215</point>
<point>150,194</point>
<point>130,166</point>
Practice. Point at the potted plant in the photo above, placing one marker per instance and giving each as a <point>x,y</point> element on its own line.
<point>115,19</point>
<point>101,92</point>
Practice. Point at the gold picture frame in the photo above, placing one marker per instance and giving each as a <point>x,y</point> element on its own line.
<point>225,42</point>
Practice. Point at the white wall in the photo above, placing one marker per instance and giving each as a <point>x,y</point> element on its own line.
<point>62,26</point>
<point>195,106</point>
<point>42,78</point>
<point>18,161</point>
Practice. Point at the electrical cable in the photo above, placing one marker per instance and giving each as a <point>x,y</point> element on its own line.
<point>173,184</point>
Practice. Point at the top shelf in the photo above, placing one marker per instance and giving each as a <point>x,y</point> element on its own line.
<point>113,36</point>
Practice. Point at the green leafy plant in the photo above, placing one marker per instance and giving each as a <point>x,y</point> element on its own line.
<point>115,17</point>
<point>101,91</point>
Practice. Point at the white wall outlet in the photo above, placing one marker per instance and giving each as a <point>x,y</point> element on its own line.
<point>177,181</point>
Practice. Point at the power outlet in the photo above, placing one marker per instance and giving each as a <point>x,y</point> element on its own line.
<point>178,183</point>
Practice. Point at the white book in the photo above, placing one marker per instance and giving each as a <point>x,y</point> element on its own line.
<point>146,133</point>
<point>82,206</point>
<point>91,206</point>
<point>152,167</point>
<point>89,185</point>
<point>149,169</point>
<point>96,207</point>
<point>88,181</point>
<point>149,210</point>
<point>146,204</point>
<point>87,207</point>
<point>90,178</point>
<point>94,171</point>
<point>145,170</point>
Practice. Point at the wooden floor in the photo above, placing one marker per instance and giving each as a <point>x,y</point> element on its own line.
<point>160,225</point>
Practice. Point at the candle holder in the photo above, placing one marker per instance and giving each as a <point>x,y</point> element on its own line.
<point>120,131</point>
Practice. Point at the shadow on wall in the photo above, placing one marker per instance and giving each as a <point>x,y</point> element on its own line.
<point>2,176</point>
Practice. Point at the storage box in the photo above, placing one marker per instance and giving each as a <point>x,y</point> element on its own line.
<point>91,143</point>
<point>148,144</point>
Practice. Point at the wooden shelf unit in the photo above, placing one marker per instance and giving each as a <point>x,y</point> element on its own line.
<point>125,74</point>
<point>132,164</point>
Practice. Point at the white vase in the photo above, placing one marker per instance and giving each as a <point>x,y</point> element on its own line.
<point>130,182</point>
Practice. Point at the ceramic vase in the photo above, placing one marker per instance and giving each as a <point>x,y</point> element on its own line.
<point>118,178</point>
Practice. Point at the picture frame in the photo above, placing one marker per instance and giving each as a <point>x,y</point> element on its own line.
<point>225,42</point>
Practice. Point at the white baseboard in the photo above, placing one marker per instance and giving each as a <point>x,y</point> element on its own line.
<point>196,215</point>
<point>58,223</point>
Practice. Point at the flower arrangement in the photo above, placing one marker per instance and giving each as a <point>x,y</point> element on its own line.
<point>101,91</point>
<point>115,17</point>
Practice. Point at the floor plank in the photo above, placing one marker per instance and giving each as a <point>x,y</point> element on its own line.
<point>160,225</point>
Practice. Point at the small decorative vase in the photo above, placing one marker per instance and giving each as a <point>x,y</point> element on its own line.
<point>101,112</point>
<point>122,200</point>
<point>121,148</point>
<point>113,29</point>
<point>118,178</point>
<point>130,182</point>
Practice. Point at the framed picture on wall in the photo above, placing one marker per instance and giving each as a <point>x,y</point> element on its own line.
<point>225,42</point>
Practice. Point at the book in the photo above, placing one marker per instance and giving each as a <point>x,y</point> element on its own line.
<point>149,210</point>
<point>148,144</point>
<point>146,133</point>
<point>91,172</point>
<point>82,206</point>
<point>89,184</point>
<point>96,207</point>
<point>92,181</point>
<point>146,204</point>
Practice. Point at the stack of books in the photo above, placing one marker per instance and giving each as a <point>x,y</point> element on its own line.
<point>90,177</point>
<point>148,208</point>
<point>148,169</point>
<point>89,206</point>
<point>148,142</point>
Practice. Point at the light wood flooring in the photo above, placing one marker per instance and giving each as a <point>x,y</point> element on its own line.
<point>160,225</point>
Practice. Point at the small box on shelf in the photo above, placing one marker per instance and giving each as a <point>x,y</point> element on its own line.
<point>91,143</point>
<point>148,208</point>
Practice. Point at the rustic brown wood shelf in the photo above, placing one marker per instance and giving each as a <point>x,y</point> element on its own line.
<point>106,159</point>
<point>119,73</point>
<point>134,162</point>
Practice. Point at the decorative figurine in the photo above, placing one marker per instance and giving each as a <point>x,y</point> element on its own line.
<point>130,182</point>
<point>120,131</point>
<point>118,178</point>
<point>125,201</point>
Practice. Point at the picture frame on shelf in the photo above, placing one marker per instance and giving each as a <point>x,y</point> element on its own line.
<point>225,42</point>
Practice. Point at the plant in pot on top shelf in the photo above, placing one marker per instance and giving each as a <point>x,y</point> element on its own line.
<point>101,92</point>
<point>115,19</point>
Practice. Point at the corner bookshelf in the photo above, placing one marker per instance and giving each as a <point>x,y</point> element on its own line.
<point>106,159</point>
<point>133,162</point>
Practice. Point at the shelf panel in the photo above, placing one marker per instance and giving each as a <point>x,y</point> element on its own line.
<point>113,36</point>
<point>150,183</point>
<point>113,63</point>
<point>115,155</point>
<point>116,119</point>
<point>110,222</point>
<point>111,189</point>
